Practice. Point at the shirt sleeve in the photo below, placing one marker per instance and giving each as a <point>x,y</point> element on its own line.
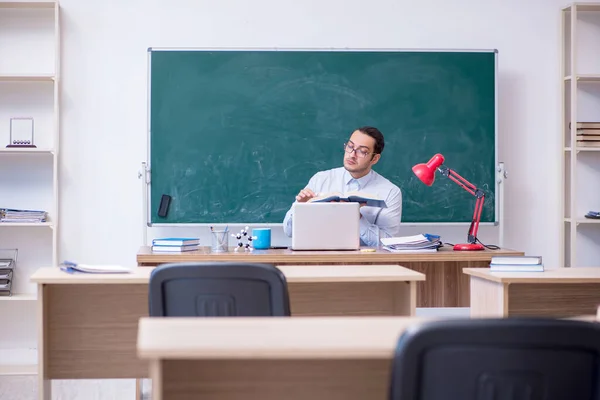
<point>289,216</point>
<point>385,223</point>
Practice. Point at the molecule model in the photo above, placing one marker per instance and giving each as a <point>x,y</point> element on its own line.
<point>241,235</point>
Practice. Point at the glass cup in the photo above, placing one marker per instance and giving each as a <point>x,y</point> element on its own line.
<point>219,241</point>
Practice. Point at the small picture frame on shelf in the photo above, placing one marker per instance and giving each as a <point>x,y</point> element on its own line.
<point>21,133</point>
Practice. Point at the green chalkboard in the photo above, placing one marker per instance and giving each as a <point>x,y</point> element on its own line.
<point>234,135</point>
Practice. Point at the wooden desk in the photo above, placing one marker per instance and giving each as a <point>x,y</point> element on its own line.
<point>446,285</point>
<point>298,358</point>
<point>88,323</point>
<point>564,292</point>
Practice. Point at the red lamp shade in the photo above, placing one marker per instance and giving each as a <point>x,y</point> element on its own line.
<point>426,172</point>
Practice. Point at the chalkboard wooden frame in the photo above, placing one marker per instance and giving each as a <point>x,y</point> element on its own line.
<point>147,166</point>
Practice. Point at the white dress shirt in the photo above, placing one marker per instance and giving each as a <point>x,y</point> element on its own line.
<point>376,222</point>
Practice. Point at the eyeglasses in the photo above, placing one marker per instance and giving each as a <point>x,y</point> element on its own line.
<point>361,151</point>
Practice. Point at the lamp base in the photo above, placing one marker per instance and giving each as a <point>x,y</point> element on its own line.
<point>468,247</point>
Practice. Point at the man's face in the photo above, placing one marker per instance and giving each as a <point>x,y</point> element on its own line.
<point>362,159</point>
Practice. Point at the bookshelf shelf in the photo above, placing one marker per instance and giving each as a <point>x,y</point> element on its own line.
<point>587,221</point>
<point>19,369</point>
<point>27,77</point>
<point>580,72</point>
<point>27,4</point>
<point>26,151</point>
<point>19,297</point>
<point>582,7</point>
<point>18,362</point>
<point>584,78</point>
<point>27,224</point>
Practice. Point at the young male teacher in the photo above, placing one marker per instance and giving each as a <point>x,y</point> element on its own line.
<point>362,151</point>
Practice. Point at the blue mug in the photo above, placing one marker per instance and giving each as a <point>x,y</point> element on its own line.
<point>263,238</point>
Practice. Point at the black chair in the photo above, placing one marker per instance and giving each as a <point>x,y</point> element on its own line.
<point>499,359</point>
<point>218,290</point>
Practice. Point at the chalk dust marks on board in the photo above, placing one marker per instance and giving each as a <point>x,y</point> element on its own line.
<point>304,96</point>
<point>422,81</point>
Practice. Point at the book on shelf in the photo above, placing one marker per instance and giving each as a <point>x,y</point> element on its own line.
<point>371,200</point>
<point>516,264</point>
<point>23,216</point>
<point>173,241</point>
<point>588,143</point>
<point>422,243</point>
<point>586,125</point>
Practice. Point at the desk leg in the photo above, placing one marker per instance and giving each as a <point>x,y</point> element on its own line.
<point>405,297</point>
<point>156,376</point>
<point>44,385</point>
<point>138,389</point>
<point>488,298</point>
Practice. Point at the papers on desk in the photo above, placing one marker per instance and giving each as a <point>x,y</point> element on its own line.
<point>73,267</point>
<point>423,243</point>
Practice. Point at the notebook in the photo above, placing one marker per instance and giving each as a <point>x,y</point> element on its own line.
<point>326,226</point>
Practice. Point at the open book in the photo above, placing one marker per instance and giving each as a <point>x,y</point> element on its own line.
<point>353,197</point>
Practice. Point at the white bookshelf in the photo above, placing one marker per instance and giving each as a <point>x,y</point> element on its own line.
<point>580,69</point>
<point>29,88</point>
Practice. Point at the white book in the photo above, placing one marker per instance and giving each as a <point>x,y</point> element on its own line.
<point>517,260</point>
<point>173,249</point>
<point>175,241</point>
<point>516,268</point>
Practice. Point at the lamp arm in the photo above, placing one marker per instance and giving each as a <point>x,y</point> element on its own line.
<point>478,193</point>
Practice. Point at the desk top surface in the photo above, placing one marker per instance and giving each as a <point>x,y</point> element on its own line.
<point>146,256</point>
<point>293,274</point>
<point>560,275</point>
<point>272,337</point>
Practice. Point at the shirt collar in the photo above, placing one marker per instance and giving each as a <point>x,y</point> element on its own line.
<point>362,181</point>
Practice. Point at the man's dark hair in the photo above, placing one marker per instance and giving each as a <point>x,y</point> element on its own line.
<point>375,134</point>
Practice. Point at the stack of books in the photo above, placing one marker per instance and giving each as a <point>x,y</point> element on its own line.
<point>517,264</point>
<point>423,243</point>
<point>23,216</point>
<point>588,134</point>
<point>174,245</point>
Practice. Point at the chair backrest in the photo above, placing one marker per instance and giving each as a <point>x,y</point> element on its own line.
<point>218,289</point>
<point>499,359</point>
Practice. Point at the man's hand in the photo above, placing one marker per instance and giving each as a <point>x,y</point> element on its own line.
<point>305,195</point>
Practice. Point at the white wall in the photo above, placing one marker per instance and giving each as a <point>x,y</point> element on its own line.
<point>104,97</point>
<point>104,115</point>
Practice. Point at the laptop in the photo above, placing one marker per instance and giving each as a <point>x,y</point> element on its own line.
<point>326,226</point>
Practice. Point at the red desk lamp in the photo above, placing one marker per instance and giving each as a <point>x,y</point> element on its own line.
<point>426,173</point>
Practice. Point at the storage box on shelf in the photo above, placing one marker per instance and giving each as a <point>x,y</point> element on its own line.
<point>29,94</point>
<point>581,148</point>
